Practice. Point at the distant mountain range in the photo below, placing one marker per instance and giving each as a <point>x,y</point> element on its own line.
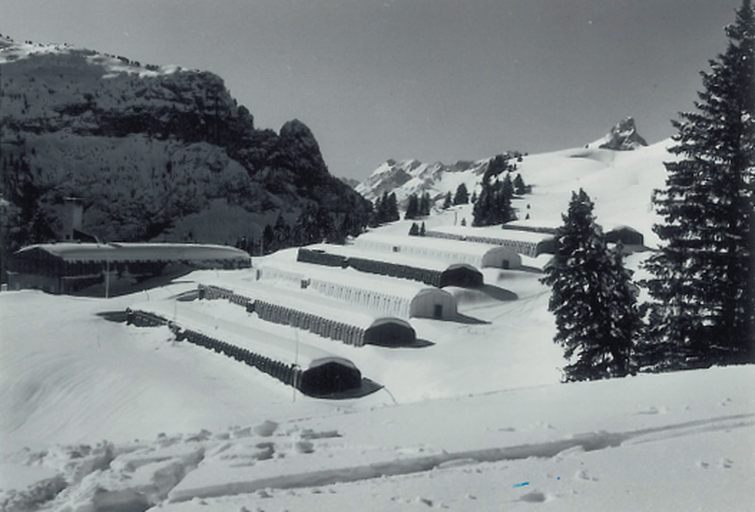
<point>154,153</point>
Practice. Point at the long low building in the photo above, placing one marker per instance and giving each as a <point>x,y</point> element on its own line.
<point>307,368</point>
<point>428,271</point>
<point>68,267</point>
<point>385,296</point>
<point>527,243</point>
<point>320,315</point>
<point>478,255</point>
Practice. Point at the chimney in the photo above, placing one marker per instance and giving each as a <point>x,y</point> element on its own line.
<point>72,212</point>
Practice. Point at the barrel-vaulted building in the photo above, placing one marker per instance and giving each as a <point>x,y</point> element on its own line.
<point>478,255</point>
<point>425,270</point>
<point>384,296</point>
<point>305,367</point>
<point>320,315</point>
<point>527,243</point>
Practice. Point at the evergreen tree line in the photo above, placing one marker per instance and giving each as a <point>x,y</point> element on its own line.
<point>384,210</point>
<point>313,225</point>
<point>701,280</point>
<point>417,206</point>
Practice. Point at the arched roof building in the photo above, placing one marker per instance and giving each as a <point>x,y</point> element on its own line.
<point>527,243</point>
<point>307,368</point>
<point>320,315</point>
<point>384,296</point>
<point>477,255</point>
<point>429,271</point>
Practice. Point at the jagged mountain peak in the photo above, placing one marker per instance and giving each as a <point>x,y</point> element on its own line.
<point>623,136</point>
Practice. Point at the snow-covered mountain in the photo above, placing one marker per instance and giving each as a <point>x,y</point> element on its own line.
<point>414,177</point>
<point>622,137</point>
<point>154,152</point>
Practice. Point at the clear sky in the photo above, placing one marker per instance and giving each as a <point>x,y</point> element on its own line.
<point>429,79</point>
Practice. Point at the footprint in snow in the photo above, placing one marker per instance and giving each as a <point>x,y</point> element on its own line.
<point>304,447</point>
<point>266,429</point>
<point>583,475</point>
<point>702,464</point>
<point>725,463</point>
<point>534,497</point>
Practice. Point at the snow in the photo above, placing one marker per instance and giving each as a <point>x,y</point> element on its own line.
<point>495,232</point>
<point>472,418</point>
<point>620,183</point>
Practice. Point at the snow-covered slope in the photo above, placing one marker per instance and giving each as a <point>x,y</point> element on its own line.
<point>657,442</point>
<point>619,172</point>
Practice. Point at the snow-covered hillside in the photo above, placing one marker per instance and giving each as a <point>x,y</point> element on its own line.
<point>620,182</point>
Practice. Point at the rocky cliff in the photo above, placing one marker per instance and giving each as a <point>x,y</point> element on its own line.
<point>154,152</point>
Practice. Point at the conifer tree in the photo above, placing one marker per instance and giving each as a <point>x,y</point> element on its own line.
<point>703,276</point>
<point>592,298</point>
<point>473,199</point>
<point>462,195</point>
<point>414,229</point>
<point>391,208</point>
<point>412,207</point>
<point>422,230</point>
<point>424,204</point>
<point>519,187</point>
<point>448,201</point>
<point>268,240</point>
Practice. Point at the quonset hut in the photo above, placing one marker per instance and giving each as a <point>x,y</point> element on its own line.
<point>319,315</point>
<point>68,267</point>
<point>424,270</point>
<point>385,296</point>
<point>527,243</point>
<point>312,371</point>
<point>478,255</point>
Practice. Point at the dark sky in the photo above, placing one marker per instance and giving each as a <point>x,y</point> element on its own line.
<point>427,79</point>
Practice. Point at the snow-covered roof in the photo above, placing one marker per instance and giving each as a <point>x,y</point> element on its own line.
<point>299,300</point>
<point>354,251</point>
<point>397,287</point>
<point>122,251</point>
<point>495,232</point>
<point>437,244</point>
<point>229,323</point>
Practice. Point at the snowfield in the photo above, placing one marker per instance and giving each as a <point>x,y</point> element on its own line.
<point>98,415</point>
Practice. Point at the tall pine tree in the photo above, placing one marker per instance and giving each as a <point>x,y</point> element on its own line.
<point>592,297</point>
<point>462,195</point>
<point>702,277</point>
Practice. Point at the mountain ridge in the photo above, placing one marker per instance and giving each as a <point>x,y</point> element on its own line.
<point>154,152</point>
